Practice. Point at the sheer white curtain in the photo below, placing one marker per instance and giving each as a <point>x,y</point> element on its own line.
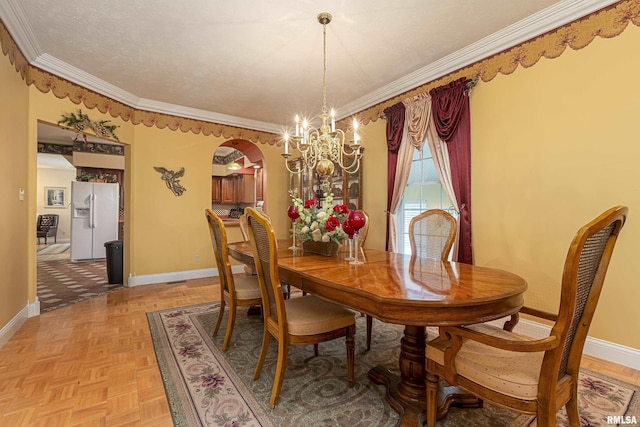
<point>405,155</point>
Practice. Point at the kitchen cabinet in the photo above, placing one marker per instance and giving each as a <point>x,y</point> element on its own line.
<point>228,195</point>
<point>259,185</point>
<point>245,188</point>
<point>216,189</point>
<point>232,189</point>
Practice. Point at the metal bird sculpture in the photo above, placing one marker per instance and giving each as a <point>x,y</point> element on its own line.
<point>171,179</point>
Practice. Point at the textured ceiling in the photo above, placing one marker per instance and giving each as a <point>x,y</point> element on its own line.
<point>257,63</point>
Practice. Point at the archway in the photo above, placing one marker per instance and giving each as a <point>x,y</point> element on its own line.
<point>238,178</point>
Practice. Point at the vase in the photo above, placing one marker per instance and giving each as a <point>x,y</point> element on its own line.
<point>320,248</point>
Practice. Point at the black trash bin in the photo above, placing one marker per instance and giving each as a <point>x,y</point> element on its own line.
<point>114,261</point>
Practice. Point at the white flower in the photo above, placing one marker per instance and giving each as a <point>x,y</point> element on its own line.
<point>304,229</point>
<point>314,225</point>
<point>321,214</point>
<point>316,235</point>
<point>326,238</point>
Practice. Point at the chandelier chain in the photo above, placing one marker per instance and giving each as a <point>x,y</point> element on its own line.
<point>324,69</point>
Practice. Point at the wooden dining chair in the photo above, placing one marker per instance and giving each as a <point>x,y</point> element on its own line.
<point>296,321</point>
<point>533,376</point>
<point>240,292</point>
<point>431,234</point>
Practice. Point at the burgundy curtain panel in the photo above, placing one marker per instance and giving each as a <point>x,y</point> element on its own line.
<point>395,126</point>
<point>450,106</point>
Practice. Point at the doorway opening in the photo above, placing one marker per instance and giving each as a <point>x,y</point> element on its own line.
<point>67,159</point>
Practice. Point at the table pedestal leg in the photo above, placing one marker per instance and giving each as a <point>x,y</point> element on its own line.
<point>407,394</point>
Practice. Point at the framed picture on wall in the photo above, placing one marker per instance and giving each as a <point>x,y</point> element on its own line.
<point>54,197</point>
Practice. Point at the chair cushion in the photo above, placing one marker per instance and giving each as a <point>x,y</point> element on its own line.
<point>511,373</point>
<point>247,287</point>
<point>309,315</point>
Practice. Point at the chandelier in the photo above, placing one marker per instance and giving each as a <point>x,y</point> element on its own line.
<point>324,147</point>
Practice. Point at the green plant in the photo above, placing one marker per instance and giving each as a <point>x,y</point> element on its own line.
<point>81,121</point>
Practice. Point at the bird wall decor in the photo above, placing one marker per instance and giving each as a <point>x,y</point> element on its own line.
<point>171,179</point>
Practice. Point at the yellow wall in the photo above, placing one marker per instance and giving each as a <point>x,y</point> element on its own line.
<point>552,147</point>
<point>14,220</point>
<point>374,176</point>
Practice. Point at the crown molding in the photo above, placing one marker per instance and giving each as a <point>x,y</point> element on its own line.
<point>207,116</point>
<point>539,23</point>
<point>12,15</point>
<point>533,26</point>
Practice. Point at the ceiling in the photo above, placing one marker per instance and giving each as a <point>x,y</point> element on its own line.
<point>255,64</point>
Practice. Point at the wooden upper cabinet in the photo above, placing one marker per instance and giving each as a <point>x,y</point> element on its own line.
<point>216,189</point>
<point>228,190</point>
<point>259,185</point>
<point>245,189</point>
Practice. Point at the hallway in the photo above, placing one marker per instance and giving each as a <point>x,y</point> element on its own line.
<point>61,282</point>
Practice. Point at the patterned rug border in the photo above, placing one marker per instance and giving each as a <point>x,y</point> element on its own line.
<point>183,408</point>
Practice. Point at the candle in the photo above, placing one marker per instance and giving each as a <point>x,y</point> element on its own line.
<point>355,131</point>
<point>333,120</point>
<point>304,131</point>
<point>286,143</point>
<point>297,126</point>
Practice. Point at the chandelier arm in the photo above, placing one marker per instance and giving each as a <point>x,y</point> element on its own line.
<point>296,172</point>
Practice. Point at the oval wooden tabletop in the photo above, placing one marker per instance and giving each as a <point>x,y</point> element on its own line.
<point>398,289</point>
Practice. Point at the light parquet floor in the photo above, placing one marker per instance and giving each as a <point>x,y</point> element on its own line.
<point>93,363</point>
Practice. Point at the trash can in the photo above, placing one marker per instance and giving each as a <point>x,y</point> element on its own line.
<point>114,261</point>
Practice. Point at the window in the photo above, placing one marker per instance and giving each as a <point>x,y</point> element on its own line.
<point>423,192</point>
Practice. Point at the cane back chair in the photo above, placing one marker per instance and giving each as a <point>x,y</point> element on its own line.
<point>534,376</point>
<point>296,321</point>
<point>240,292</point>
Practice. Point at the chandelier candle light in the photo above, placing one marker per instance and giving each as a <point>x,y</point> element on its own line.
<point>322,148</point>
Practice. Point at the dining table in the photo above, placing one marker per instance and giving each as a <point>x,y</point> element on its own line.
<point>400,289</point>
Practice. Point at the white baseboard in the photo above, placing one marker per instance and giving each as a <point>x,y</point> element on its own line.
<point>605,350</point>
<point>149,279</point>
<point>14,324</point>
<point>34,309</point>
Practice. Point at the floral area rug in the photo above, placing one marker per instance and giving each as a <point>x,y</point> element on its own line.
<point>206,387</point>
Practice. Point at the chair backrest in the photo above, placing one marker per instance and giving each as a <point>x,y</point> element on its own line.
<point>431,234</point>
<point>584,272</point>
<point>220,250</point>
<point>364,231</point>
<point>265,255</point>
<point>47,220</point>
<point>244,227</point>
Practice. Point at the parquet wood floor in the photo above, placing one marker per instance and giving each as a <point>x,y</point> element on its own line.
<point>93,363</point>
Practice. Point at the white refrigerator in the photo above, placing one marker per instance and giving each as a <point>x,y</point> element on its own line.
<point>94,218</point>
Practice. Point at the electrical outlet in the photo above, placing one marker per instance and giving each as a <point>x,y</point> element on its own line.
<point>196,258</point>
